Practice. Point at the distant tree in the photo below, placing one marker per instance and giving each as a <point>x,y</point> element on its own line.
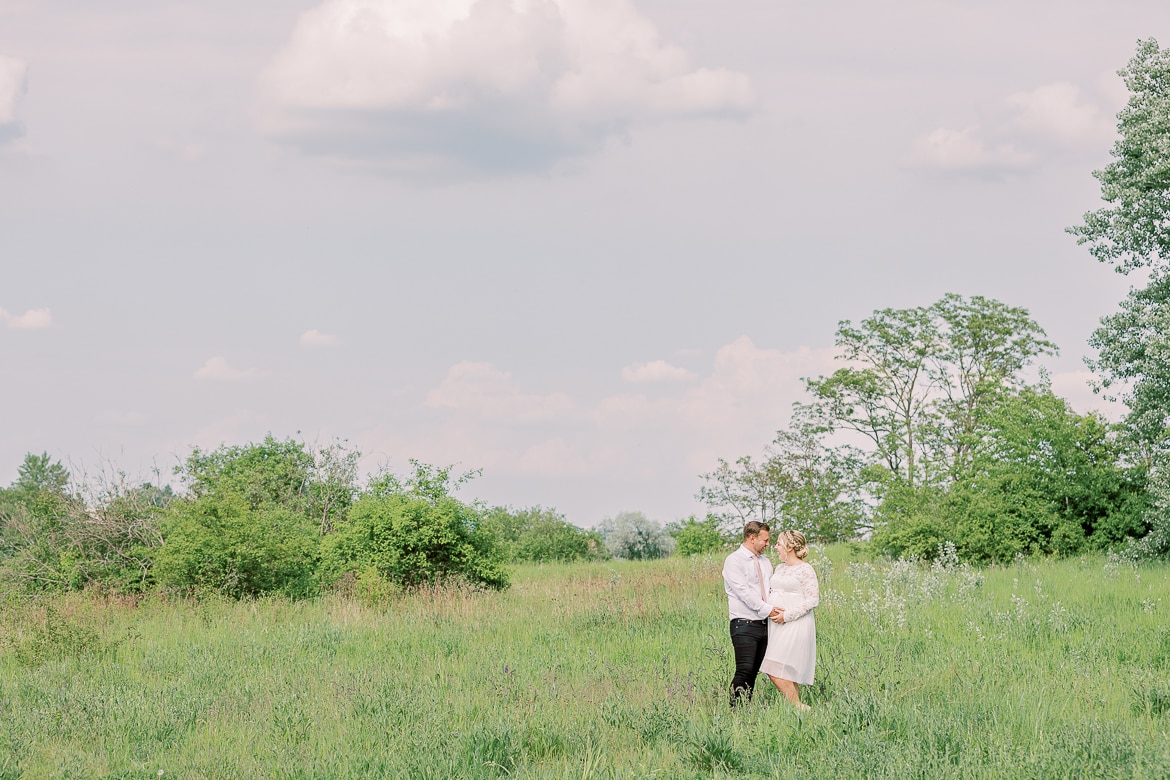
<point>253,517</point>
<point>633,536</point>
<point>543,535</point>
<point>800,484</point>
<point>918,378</point>
<point>100,532</point>
<point>696,537</point>
<point>411,532</point>
<point>1041,479</point>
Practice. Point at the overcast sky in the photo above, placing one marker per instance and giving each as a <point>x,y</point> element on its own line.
<point>588,246</point>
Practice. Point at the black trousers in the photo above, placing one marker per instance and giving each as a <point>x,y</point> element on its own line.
<point>750,640</point>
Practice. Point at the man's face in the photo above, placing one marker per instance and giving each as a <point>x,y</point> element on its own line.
<point>757,543</point>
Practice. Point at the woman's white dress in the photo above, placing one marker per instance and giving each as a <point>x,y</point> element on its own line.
<point>792,645</point>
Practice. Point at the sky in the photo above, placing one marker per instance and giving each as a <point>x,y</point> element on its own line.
<point>588,247</point>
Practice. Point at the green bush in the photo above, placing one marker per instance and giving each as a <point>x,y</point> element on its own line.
<point>695,537</point>
<point>412,540</point>
<point>543,536</point>
<point>223,545</point>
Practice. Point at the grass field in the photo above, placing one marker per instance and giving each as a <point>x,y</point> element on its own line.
<point>1041,669</point>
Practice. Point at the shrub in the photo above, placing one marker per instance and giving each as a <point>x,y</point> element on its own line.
<point>695,537</point>
<point>414,533</point>
<point>543,535</point>
<point>221,544</point>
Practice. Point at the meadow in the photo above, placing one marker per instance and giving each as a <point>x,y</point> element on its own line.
<point>1040,669</point>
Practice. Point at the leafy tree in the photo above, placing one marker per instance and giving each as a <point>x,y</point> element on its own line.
<point>1132,232</point>
<point>984,347</point>
<point>696,537</point>
<point>1041,479</point>
<point>917,379</point>
<point>635,537</point>
<point>543,535</point>
<point>886,392</point>
<point>35,513</point>
<point>101,532</point>
<point>800,483</point>
<point>413,532</point>
<point>221,543</point>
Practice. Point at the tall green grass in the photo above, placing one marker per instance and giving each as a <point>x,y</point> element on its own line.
<point>1049,669</point>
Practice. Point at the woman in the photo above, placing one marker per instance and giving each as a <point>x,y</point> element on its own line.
<point>791,657</point>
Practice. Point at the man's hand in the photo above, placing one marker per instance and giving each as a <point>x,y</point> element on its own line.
<point>777,615</point>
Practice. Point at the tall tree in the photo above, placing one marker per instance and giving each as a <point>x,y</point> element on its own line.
<point>886,394</point>
<point>1133,232</point>
<point>918,379</point>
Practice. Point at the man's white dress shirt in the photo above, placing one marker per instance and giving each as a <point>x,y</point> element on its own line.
<point>743,584</point>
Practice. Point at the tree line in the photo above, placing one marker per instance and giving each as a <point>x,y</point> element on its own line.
<point>280,516</point>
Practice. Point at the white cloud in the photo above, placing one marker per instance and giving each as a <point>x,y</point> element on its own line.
<point>1055,113</point>
<point>490,420</point>
<point>13,84</point>
<point>966,151</point>
<point>217,369</point>
<point>482,390</point>
<point>315,338</point>
<point>442,86</point>
<point>1030,127</point>
<point>655,371</point>
<point>33,319</point>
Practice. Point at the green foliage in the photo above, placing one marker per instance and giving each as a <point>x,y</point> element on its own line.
<point>1135,230</point>
<point>1132,232</point>
<point>799,484</point>
<point>220,543</point>
<point>1133,359</point>
<point>55,535</point>
<point>919,378</point>
<point>543,536</point>
<point>413,532</point>
<point>695,537</point>
<point>1040,479</point>
<point>635,537</point>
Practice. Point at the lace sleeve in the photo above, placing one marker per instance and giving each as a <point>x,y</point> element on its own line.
<point>810,589</point>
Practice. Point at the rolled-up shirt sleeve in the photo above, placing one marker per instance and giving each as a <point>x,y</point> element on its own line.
<point>743,589</point>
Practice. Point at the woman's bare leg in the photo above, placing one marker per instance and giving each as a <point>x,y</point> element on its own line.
<point>790,691</point>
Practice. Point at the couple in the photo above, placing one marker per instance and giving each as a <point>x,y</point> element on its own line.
<point>772,628</point>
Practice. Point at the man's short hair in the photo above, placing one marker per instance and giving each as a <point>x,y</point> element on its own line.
<point>754,527</point>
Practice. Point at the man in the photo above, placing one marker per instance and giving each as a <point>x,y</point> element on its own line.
<point>745,578</point>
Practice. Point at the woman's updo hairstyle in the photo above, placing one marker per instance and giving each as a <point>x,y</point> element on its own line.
<point>795,541</point>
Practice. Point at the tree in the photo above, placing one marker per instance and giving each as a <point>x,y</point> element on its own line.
<point>984,347</point>
<point>543,536</point>
<point>412,532</point>
<point>919,377</point>
<point>1131,232</point>
<point>635,537</point>
<point>1041,479</point>
<point>886,395</point>
<point>59,535</point>
<point>800,484</point>
<point>696,537</point>
<point>1134,231</point>
<point>253,517</point>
